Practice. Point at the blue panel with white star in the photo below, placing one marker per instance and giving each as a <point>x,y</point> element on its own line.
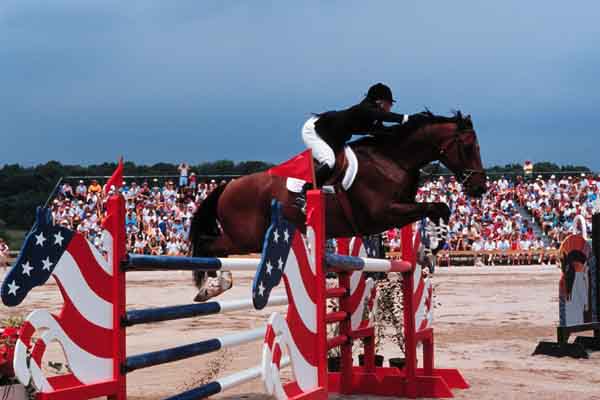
<point>42,248</point>
<point>276,249</point>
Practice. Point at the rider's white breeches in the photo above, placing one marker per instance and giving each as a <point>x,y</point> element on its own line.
<point>320,149</point>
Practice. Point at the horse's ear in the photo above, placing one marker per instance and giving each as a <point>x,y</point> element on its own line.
<point>469,121</point>
<point>459,115</point>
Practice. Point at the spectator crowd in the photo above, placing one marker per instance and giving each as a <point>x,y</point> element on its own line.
<point>4,253</point>
<point>157,213</point>
<point>516,221</point>
<point>504,225</point>
<point>561,206</point>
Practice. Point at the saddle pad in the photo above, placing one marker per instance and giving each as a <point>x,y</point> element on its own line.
<point>295,185</point>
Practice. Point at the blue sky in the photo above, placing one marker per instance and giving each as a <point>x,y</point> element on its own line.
<point>87,81</point>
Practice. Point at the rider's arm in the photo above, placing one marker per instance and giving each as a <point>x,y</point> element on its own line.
<point>376,114</point>
<point>382,130</point>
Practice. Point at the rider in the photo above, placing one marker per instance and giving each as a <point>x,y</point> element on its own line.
<point>327,133</point>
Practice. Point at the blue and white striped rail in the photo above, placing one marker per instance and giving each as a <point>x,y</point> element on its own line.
<point>222,384</point>
<point>136,317</point>
<point>352,263</point>
<point>146,360</point>
<point>141,262</point>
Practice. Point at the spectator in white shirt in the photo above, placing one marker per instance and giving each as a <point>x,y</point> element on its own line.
<point>183,169</point>
<point>81,191</point>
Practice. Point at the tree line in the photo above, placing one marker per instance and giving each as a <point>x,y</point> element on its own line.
<point>22,189</point>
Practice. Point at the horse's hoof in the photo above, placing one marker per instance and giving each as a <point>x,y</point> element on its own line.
<point>201,297</point>
<point>199,279</point>
<point>214,287</point>
<point>225,281</point>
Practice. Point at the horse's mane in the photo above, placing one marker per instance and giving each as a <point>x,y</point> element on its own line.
<point>403,131</point>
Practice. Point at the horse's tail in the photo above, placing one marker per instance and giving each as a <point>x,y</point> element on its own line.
<point>205,226</point>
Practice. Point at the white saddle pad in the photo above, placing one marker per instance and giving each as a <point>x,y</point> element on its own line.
<point>295,185</point>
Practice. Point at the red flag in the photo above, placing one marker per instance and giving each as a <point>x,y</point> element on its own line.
<point>300,167</point>
<point>116,179</point>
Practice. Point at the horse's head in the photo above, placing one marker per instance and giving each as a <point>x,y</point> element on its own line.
<point>458,149</point>
<point>44,245</point>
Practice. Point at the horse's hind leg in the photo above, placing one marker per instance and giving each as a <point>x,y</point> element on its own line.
<point>211,284</point>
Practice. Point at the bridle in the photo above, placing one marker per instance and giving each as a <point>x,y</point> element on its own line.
<point>466,174</point>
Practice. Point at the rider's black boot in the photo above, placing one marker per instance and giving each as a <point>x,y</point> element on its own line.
<point>322,173</point>
<point>300,200</point>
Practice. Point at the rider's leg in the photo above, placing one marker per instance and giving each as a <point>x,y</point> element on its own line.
<point>322,173</point>
<point>321,151</point>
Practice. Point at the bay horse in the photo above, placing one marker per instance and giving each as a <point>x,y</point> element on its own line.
<point>234,217</point>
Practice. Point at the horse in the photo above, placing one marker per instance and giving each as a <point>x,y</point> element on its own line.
<point>234,217</point>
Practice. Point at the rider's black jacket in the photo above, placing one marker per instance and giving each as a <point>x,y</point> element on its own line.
<point>337,127</point>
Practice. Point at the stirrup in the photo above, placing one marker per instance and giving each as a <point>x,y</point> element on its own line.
<point>300,199</point>
<point>300,202</point>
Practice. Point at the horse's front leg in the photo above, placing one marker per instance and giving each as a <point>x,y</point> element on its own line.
<point>401,214</point>
<point>436,230</point>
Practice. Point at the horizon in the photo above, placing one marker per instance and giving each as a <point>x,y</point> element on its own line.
<point>85,83</point>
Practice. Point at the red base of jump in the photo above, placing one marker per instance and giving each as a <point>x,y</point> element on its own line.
<point>67,387</point>
<point>394,382</point>
<point>295,393</point>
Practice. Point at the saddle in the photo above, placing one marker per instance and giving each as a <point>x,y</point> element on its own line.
<point>339,170</point>
<point>342,177</point>
<point>344,172</point>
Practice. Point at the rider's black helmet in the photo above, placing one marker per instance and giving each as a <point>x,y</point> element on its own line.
<point>379,91</point>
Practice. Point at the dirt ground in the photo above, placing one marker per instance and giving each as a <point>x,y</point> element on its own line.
<point>488,324</point>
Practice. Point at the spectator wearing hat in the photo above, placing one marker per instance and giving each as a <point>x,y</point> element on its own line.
<point>139,246</point>
<point>132,191</point>
<point>170,192</point>
<point>81,191</point>
<point>178,228</point>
